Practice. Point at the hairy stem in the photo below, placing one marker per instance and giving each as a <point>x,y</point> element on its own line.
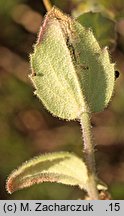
<point>47,4</point>
<point>89,155</point>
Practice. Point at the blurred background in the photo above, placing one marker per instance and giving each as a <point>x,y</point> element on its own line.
<point>26,128</point>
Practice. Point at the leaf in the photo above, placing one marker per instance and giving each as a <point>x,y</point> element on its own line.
<point>103,28</point>
<point>83,7</point>
<point>70,72</point>
<point>62,167</point>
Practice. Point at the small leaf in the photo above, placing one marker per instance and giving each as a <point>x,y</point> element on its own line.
<point>70,72</point>
<point>103,28</point>
<point>62,167</point>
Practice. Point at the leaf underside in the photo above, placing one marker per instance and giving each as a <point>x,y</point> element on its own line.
<point>70,72</point>
<point>62,167</point>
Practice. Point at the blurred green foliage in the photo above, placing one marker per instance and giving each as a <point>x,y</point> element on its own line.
<point>6,8</point>
<point>27,129</point>
<point>103,28</point>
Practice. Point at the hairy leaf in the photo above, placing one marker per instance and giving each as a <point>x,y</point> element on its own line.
<point>70,72</point>
<point>62,167</point>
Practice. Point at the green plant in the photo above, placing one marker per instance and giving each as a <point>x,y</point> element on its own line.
<point>73,77</point>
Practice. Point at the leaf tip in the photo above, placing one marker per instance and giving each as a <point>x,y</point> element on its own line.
<point>54,13</point>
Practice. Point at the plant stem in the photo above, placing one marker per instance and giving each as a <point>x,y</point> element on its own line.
<point>89,155</point>
<point>47,4</point>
